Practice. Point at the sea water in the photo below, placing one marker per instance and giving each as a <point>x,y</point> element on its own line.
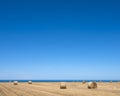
<point>59,80</point>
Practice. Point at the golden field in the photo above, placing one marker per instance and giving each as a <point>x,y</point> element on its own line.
<point>53,89</point>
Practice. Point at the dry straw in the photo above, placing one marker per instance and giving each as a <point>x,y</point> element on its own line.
<point>15,82</point>
<point>92,85</point>
<point>84,82</point>
<point>29,82</point>
<point>63,85</point>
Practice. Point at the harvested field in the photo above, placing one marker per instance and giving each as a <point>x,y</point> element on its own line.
<point>53,89</point>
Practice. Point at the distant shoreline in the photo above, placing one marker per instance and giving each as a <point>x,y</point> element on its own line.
<point>60,80</point>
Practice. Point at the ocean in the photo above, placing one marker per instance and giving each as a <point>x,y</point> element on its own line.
<point>59,80</point>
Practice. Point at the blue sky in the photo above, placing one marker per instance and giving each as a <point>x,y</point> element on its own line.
<point>59,39</point>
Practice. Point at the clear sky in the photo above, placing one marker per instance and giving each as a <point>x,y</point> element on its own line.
<point>59,39</point>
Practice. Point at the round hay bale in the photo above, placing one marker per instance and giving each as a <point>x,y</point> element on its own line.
<point>63,85</point>
<point>15,82</point>
<point>29,82</point>
<point>84,82</point>
<point>92,85</point>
